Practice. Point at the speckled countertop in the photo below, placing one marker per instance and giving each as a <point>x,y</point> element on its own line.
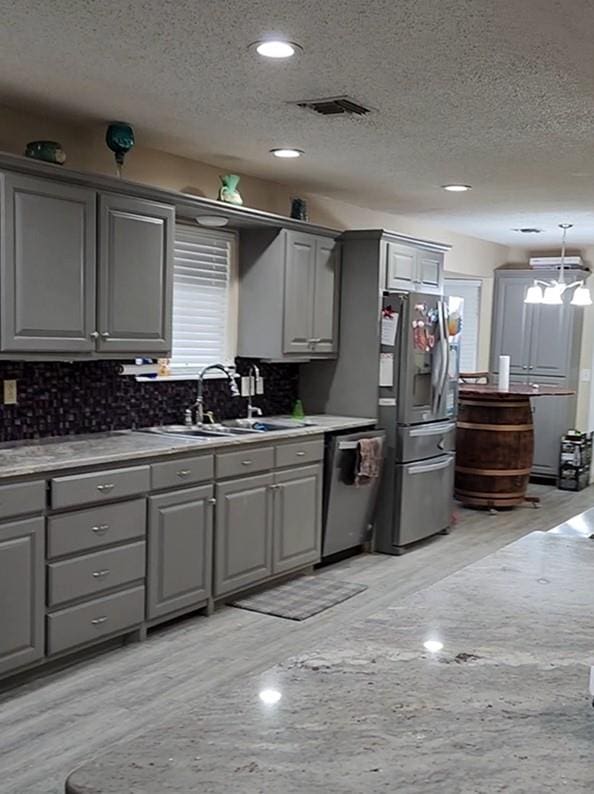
<point>51,455</point>
<point>502,707</point>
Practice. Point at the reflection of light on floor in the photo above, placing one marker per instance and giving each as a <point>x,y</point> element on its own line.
<point>582,525</point>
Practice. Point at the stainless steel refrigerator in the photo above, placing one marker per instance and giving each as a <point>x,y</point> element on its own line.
<point>418,380</point>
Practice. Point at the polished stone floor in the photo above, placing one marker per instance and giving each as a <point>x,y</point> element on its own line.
<point>49,726</point>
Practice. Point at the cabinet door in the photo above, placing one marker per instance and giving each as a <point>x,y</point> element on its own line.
<point>550,339</point>
<point>300,263</point>
<point>243,533</point>
<point>22,593</point>
<point>402,270</point>
<point>179,550</point>
<point>511,323</point>
<point>325,296</point>
<point>552,417</point>
<point>297,518</point>
<point>135,275</point>
<point>48,266</point>
<point>430,271</point>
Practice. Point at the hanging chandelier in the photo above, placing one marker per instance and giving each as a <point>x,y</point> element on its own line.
<point>552,294</point>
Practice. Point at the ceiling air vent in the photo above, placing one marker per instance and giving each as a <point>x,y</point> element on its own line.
<point>334,106</point>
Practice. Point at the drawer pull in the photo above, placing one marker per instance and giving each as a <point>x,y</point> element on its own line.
<point>212,501</point>
<point>184,473</point>
<point>98,621</point>
<point>246,462</point>
<point>106,487</point>
<point>300,454</point>
<point>100,574</point>
<point>100,529</point>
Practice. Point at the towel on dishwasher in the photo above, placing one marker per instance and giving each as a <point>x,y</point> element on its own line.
<point>370,454</point>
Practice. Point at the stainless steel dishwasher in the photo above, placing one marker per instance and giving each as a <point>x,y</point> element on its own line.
<point>348,508</point>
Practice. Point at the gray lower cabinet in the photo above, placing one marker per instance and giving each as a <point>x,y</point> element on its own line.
<point>22,593</point>
<point>552,417</point>
<point>48,250</point>
<point>180,550</point>
<point>243,536</point>
<point>297,518</point>
<point>135,284</point>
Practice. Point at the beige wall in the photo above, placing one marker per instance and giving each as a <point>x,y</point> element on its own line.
<point>86,151</point>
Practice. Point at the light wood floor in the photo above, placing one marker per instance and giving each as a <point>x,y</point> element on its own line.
<point>51,725</point>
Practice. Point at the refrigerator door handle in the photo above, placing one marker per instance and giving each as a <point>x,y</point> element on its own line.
<point>442,463</point>
<point>445,354</point>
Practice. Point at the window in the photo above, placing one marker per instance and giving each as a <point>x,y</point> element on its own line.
<point>204,299</point>
<point>470,292</point>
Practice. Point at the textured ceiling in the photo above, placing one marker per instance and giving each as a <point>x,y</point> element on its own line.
<point>494,93</point>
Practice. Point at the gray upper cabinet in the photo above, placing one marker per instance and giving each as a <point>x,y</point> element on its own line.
<point>409,268</point>
<point>297,518</point>
<point>511,322</point>
<point>289,295</point>
<point>22,593</point>
<point>48,266</point>
<point>243,536</point>
<point>135,275</point>
<point>550,339</point>
<point>180,548</point>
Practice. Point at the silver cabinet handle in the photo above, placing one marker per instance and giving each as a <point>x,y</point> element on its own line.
<point>246,462</point>
<point>300,454</point>
<point>98,621</point>
<point>105,334</point>
<point>94,334</point>
<point>100,529</point>
<point>212,501</point>
<point>184,473</point>
<point>105,487</point>
<point>524,367</point>
<point>100,574</point>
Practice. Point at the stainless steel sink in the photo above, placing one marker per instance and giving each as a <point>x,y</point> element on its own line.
<point>264,425</point>
<point>232,427</point>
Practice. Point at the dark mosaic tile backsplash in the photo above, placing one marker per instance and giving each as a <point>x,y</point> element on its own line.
<point>60,398</point>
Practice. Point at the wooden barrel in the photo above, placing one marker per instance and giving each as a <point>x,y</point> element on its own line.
<point>494,450</point>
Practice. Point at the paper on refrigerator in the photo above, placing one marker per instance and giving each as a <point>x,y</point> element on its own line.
<point>386,369</point>
<point>389,328</point>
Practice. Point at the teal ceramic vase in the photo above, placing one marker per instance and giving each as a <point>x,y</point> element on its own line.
<point>119,137</point>
<point>228,191</point>
<point>49,151</point>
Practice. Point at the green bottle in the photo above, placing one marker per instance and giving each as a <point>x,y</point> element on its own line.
<point>298,412</point>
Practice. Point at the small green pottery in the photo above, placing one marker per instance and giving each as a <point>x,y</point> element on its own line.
<point>119,137</point>
<point>228,191</point>
<point>49,151</point>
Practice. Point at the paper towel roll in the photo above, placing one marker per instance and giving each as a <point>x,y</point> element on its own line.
<point>503,383</point>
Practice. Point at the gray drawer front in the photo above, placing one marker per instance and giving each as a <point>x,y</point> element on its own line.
<point>300,452</point>
<point>95,619</point>
<point>425,441</point>
<point>184,471</point>
<point>80,489</point>
<point>21,498</point>
<point>246,461</point>
<point>92,573</point>
<point>96,527</point>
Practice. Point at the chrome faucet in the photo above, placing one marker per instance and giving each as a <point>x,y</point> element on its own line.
<point>199,404</point>
<point>253,376</point>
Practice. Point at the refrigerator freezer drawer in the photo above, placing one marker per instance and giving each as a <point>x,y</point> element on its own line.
<point>424,441</point>
<point>423,499</point>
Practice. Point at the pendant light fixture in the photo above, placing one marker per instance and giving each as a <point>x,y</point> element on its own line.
<point>552,295</point>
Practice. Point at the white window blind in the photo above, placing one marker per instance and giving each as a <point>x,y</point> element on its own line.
<point>470,291</point>
<point>201,282</point>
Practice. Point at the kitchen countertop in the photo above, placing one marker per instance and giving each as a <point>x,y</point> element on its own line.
<point>51,455</point>
<point>504,706</point>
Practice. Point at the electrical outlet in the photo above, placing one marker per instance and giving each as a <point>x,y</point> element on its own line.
<point>10,392</point>
<point>260,386</point>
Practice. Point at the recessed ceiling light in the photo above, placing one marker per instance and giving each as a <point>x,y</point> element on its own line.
<point>286,153</point>
<point>457,188</point>
<point>276,48</point>
<point>212,220</point>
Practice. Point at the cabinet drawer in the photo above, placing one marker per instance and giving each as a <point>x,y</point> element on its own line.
<point>92,573</point>
<point>186,471</point>
<point>300,452</point>
<point>94,619</point>
<point>80,489</point>
<point>21,498</point>
<point>246,461</point>
<point>96,527</point>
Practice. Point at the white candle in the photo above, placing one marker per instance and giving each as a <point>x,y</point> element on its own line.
<point>503,382</point>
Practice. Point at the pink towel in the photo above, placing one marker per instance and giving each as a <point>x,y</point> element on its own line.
<point>370,454</point>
